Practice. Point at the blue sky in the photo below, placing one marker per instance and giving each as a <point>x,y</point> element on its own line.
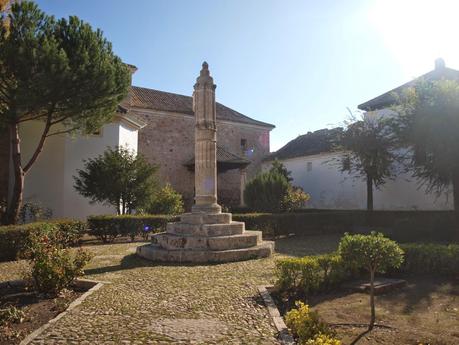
<point>296,64</point>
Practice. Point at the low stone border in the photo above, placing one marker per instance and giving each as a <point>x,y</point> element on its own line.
<point>284,335</point>
<point>93,286</point>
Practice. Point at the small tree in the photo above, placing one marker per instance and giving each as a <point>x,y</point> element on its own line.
<point>278,167</point>
<point>272,191</point>
<point>118,178</point>
<point>374,253</point>
<point>428,125</point>
<point>166,201</point>
<point>59,72</point>
<point>266,192</point>
<point>370,153</point>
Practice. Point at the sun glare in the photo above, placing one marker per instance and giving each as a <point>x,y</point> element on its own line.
<point>418,31</point>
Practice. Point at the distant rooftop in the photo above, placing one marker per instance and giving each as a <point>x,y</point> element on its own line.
<point>387,99</point>
<point>312,143</point>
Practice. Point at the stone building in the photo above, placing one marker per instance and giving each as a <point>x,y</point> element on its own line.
<point>168,140</point>
<point>159,125</point>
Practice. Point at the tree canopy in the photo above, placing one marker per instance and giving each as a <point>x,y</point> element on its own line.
<point>428,125</point>
<point>118,178</point>
<point>373,253</point>
<point>59,72</point>
<point>369,152</point>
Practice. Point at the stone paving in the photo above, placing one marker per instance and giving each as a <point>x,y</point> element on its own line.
<point>149,303</point>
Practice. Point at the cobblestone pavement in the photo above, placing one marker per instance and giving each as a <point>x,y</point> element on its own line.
<point>149,303</point>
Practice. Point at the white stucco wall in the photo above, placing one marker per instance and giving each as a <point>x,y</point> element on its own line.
<point>329,188</point>
<point>50,181</point>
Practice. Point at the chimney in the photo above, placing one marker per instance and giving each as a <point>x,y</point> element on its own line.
<point>439,64</point>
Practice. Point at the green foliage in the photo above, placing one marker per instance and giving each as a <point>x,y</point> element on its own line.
<point>14,238</point>
<point>374,252</point>
<point>310,274</point>
<point>279,168</point>
<point>428,124</point>
<point>295,199</point>
<point>306,325</point>
<point>118,178</point>
<point>11,314</point>
<point>109,227</point>
<point>272,191</point>
<point>369,153</point>
<point>53,267</point>
<point>33,212</point>
<point>45,65</point>
<point>266,192</point>
<point>166,201</point>
<point>431,259</point>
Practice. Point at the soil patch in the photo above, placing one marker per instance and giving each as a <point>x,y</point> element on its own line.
<point>37,310</point>
<point>425,311</point>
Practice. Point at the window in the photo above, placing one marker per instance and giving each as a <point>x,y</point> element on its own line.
<point>309,166</point>
<point>243,144</point>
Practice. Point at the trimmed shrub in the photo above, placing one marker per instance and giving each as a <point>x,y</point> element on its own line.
<point>108,227</point>
<point>166,201</point>
<point>266,192</point>
<point>432,259</point>
<point>305,324</point>
<point>14,238</point>
<point>53,267</point>
<point>311,274</point>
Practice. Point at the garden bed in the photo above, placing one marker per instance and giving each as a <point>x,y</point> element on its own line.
<point>31,312</point>
<point>426,311</point>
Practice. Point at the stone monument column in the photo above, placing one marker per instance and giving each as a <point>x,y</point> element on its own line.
<point>205,143</point>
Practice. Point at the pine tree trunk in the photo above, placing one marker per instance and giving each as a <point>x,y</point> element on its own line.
<point>372,299</point>
<point>369,193</point>
<point>14,206</point>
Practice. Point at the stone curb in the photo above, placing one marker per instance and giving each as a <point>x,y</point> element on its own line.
<point>73,305</point>
<point>284,335</point>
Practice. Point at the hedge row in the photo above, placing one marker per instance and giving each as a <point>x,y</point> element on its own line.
<point>403,226</point>
<point>312,274</point>
<point>13,238</point>
<point>107,228</point>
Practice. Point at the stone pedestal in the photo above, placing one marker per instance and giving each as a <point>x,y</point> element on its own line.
<point>206,234</point>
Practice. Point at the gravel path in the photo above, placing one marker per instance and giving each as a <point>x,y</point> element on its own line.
<point>149,303</point>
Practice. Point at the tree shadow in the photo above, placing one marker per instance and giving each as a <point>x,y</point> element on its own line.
<point>360,336</point>
<point>419,291</point>
<point>307,244</point>
<point>132,261</point>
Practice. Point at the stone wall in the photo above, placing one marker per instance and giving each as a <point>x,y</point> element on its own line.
<point>168,140</point>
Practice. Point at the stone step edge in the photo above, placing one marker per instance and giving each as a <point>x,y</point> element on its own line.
<point>263,244</point>
<point>246,233</point>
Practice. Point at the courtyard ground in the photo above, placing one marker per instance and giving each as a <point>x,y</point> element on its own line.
<point>149,303</point>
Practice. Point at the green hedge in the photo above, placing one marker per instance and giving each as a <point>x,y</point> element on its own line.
<point>108,227</point>
<point>312,274</point>
<point>432,259</point>
<point>13,238</point>
<point>403,226</point>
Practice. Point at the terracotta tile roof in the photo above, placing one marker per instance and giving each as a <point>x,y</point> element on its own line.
<point>165,101</point>
<point>312,143</point>
<point>387,99</point>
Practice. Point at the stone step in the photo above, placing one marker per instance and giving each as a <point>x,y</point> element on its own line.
<point>177,242</point>
<point>233,228</point>
<point>156,253</point>
<point>245,240</point>
<point>206,218</point>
